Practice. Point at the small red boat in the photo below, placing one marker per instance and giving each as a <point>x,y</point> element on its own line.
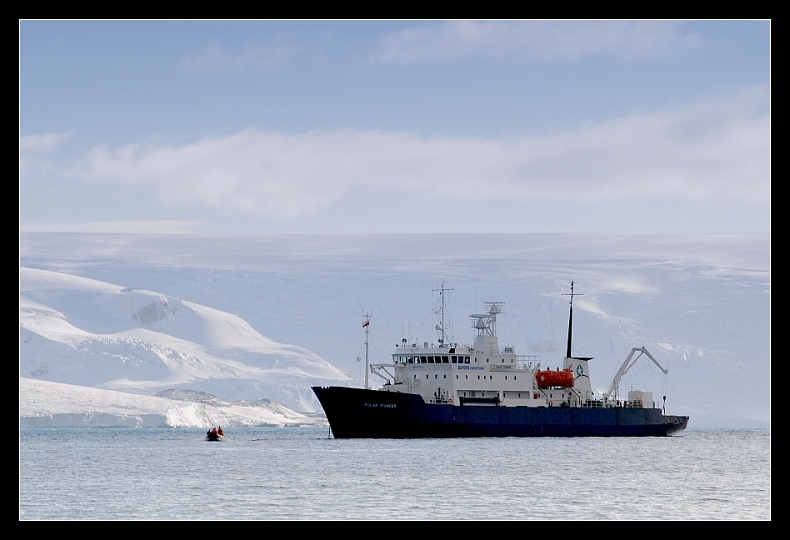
<point>549,379</point>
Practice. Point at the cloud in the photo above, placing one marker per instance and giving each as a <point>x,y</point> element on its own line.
<point>41,143</point>
<point>34,153</point>
<point>533,41</point>
<point>215,59</point>
<point>713,151</point>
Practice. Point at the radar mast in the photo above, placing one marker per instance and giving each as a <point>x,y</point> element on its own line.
<point>570,319</point>
<point>441,328</point>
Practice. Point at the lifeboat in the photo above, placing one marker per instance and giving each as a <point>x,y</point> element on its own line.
<point>562,379</point>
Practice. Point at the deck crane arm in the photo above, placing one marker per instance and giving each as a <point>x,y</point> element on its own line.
<point>377,369</point>
<point>614,388</point>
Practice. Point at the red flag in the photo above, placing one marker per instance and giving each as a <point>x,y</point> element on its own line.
<point>366,323</point>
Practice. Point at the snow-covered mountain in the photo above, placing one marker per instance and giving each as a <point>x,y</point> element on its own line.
<point>49,404</point>
<point>146,313</point>
<point>85,332</point>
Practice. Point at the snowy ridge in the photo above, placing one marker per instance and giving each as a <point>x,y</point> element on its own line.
<point>85,332</point>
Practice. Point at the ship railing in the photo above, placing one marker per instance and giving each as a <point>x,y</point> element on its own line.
<point>527,361</point>
<point>592,404</point>
<point>639,404</point>
<point>625,404</point>
<point>456,349</point>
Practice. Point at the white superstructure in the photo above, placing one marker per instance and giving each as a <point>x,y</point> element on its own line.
<point>486,374</point>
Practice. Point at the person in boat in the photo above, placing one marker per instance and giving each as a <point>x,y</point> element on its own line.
<point>219,431</point>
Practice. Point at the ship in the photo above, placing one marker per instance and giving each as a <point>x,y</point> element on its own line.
<point>444,390</point>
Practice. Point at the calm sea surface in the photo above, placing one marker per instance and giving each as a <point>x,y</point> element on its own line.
<point>300,473</point>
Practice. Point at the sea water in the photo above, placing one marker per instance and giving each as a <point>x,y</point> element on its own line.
<point>304,474</point>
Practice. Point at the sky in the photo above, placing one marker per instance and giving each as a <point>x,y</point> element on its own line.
<point>270,127</point>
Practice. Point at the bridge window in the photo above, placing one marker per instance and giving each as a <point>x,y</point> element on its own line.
<point>445,359</point>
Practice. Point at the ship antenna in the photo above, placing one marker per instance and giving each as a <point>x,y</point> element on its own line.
<point>570,320</point>
<point>366,326</point>
<point>441,327</point>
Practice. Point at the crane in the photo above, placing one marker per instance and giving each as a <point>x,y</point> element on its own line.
<point>614,388</point>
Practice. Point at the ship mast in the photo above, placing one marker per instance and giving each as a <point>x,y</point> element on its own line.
<point>441,327</point>
<point>366,326</point>
<point>570,320</point>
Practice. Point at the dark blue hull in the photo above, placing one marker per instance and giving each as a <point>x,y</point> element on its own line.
<point>360,413</point>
